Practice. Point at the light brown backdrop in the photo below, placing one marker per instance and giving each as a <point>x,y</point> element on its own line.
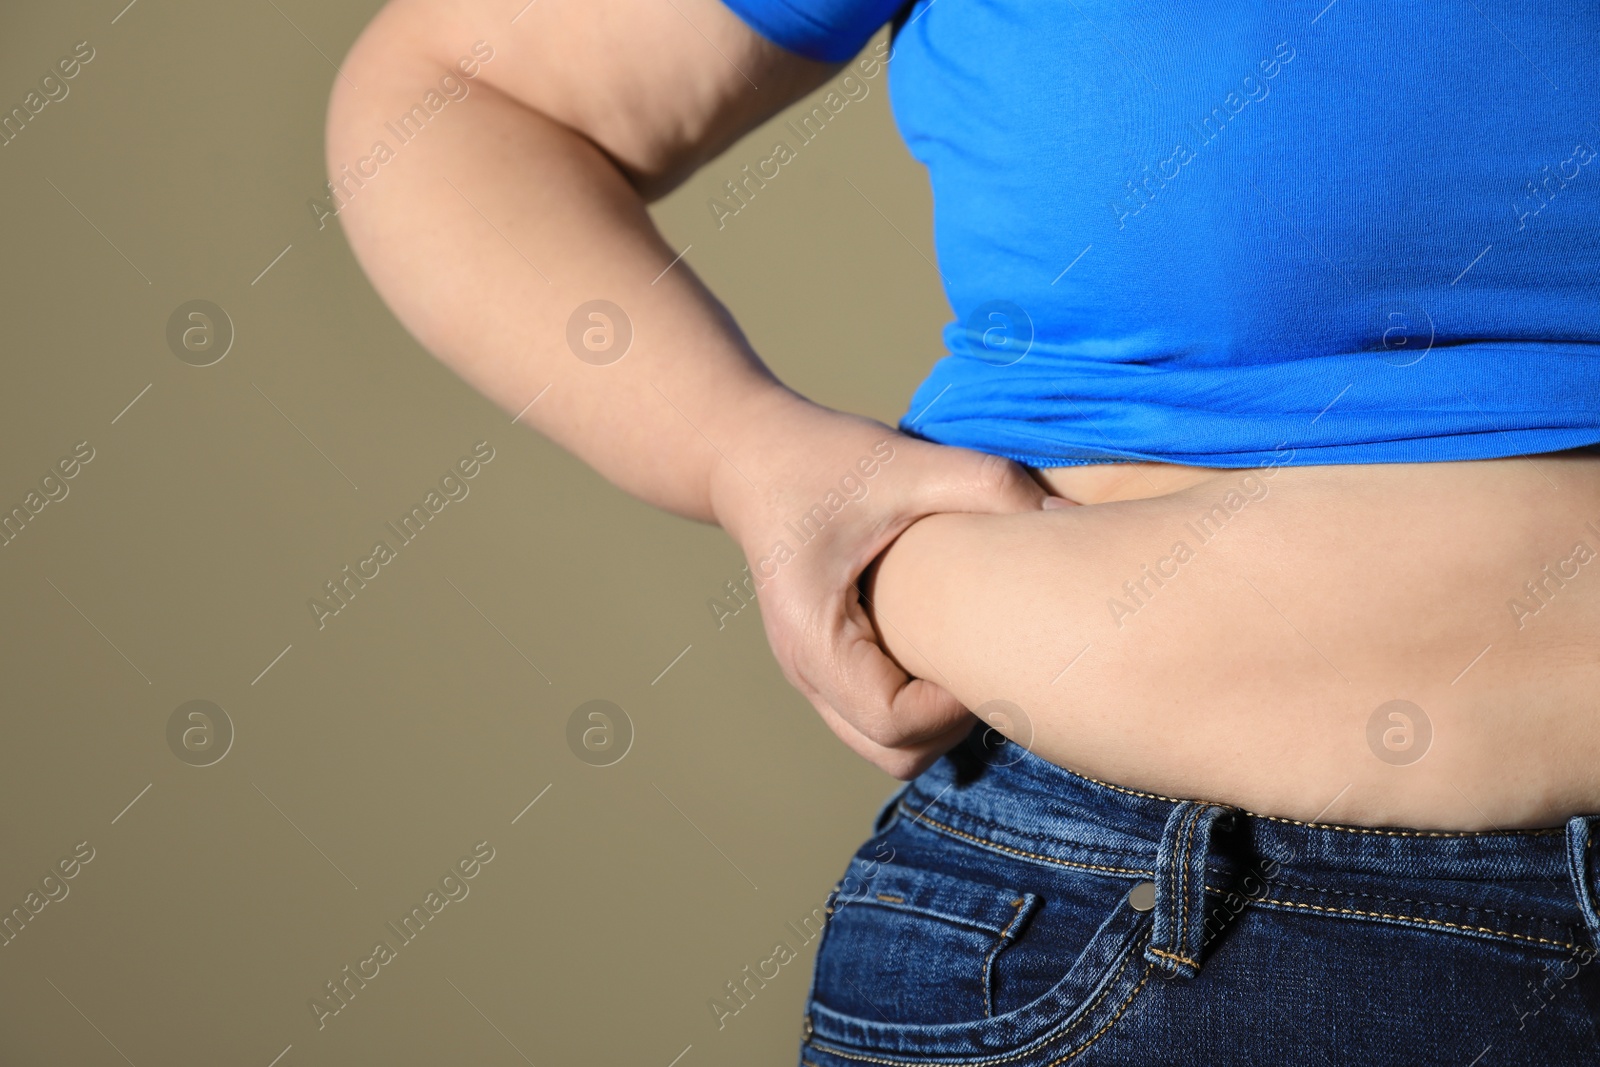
<point>371,755</point>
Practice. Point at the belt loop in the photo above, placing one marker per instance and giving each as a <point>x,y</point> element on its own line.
<point>1581,865</point>
<point>1179,917</point>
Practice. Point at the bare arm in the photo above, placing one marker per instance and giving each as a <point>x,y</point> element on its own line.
<point>526,200</point>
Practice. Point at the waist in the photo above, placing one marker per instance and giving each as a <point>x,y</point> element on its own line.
<point>1533,887</point>
<point>1415,642</point>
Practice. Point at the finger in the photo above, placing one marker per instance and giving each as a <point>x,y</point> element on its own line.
<point>872,691</point>
<point>903,763</point>
<point>958,479</point>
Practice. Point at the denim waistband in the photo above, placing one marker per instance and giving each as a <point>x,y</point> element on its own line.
<point>1207,861</point>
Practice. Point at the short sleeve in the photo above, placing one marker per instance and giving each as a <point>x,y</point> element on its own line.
<point>830,31</point>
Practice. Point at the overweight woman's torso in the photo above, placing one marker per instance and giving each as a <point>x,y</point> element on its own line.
<point>1396,644</point>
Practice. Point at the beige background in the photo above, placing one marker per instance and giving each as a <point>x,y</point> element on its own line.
<point>373,754</point>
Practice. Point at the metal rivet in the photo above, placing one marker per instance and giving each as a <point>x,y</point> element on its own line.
<point>805,1028</point>
<point>1142,897</point>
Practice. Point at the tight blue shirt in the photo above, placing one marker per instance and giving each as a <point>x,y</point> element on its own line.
<point>1236,234</point>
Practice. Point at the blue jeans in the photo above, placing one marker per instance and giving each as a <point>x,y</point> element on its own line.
<point>1010,913</point>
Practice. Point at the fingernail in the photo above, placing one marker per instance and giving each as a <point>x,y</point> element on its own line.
<point>1051,502</point>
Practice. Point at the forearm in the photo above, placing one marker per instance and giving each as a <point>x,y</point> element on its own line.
<point>488,230</point>
<point>525,201</point>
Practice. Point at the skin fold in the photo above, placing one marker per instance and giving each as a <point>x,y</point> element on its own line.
<point>1249,674</point>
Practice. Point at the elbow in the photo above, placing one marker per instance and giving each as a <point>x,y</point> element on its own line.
<point>348,129</point>
<point>394,82</point>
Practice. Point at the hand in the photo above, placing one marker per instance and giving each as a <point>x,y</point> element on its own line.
<point>813,496</point>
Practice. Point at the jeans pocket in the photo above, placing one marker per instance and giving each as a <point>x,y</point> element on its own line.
<point>915,946</point>
<point>1000,963</point>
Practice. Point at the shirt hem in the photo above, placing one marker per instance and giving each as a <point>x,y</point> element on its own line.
<point>1421,450</point>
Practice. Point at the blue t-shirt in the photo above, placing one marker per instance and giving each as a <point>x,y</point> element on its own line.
<point>1247,233</point>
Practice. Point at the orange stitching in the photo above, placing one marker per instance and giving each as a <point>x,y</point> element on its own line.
<point>1033,1045</point>
<point>1175,956</point>
<point>1397,900</point>
<point>1545,831</point>
<point>1183,877</point>
<point>1541,832</point>
<point>1420,919</point>
<point>1109,1022</point>
<point>1183,893</point>
<point>1401,900</point>
<point>988,961</point>
<point>921,817</point>
<point>891,899</point>
<point>1172,874</point>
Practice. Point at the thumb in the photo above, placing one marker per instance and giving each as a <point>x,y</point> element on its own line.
<point>959,479</point>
